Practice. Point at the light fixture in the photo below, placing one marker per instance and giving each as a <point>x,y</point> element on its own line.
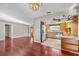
<point>35,6</point>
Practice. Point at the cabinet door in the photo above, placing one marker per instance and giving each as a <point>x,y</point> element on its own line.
<point>75,26</point>
<point>62,26</point>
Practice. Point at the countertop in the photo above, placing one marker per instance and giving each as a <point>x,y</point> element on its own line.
<point>71,37</point>
<point>59,36</point>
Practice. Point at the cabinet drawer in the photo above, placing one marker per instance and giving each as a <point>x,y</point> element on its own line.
<point>72,47</point>
<point>71,41</point>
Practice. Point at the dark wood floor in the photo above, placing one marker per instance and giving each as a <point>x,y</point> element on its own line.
<point>25,47</point>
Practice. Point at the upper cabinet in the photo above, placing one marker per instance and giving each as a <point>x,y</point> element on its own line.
<point>62,26</point>
<point>70,27</point>
<point>75,26</point>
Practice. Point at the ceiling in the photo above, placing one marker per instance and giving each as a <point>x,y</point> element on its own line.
<point>22,11</point>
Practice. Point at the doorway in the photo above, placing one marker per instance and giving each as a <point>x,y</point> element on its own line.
<point>42,31</point>
<point>7,37</point>
<point>7,31</point>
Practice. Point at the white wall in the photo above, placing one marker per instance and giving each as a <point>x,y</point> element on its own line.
<point>18,30</point>
<point>2,31</point>
<point>37,30</point>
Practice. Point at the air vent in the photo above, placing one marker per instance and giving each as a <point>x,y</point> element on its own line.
<point>49,12</point>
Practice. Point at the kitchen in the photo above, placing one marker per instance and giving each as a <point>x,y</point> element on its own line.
<point>62,34</point>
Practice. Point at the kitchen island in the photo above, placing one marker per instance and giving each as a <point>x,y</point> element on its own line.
<point>70,44</point>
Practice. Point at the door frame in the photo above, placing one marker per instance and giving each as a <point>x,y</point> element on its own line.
<point>10,29</point>
<point>11,34</point>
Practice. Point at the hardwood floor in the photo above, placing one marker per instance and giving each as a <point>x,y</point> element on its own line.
<point>25,47</point>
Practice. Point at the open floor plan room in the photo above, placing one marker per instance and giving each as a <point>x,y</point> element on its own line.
<point>39,29</point>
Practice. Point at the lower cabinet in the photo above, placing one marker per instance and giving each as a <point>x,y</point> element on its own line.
<point>70,45</point>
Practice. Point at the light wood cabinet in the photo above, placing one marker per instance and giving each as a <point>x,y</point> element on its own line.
<point>65,28</point>
<point>70,28</point>
<point>62,26</point>
<point>75,26</point>
<point>70,45</point>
